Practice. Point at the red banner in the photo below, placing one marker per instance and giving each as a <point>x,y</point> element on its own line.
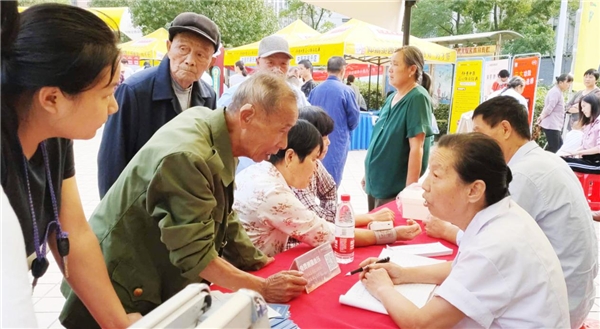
<point>527,68</point>
<point>357,70</point>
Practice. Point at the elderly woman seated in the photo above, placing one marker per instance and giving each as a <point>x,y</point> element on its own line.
<point>271,213</point>
<point>506,274</point>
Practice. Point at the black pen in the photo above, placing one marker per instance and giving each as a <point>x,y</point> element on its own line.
<point>360,269</point>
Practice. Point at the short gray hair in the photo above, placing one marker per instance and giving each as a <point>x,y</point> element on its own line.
<point>336,64</point>
<point>266,90</point>
<point>515,82</point>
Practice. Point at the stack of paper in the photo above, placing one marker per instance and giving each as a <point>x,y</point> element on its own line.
<point>279,317</point>
<point>418,294</point>
<point>424,249</point>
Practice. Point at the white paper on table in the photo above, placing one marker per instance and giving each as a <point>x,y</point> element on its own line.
<point>417,293</point>
<point>273,313</point>
<point>425,249</point>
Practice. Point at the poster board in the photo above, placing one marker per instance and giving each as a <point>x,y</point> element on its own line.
<point>527,67</point>
<point>467,89</point>
<point>491,68</point>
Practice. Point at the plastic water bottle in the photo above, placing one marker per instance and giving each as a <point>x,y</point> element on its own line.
<point>343,246</point>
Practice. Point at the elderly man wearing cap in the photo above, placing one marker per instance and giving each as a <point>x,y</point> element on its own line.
<point>153,97</point>
<point>273,55</point>
<point>168,219</point>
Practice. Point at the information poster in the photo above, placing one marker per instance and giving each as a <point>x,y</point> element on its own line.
<point>442,83</point>
<point>492,68</point>
<point>467,90</point>
<point>527,68</point>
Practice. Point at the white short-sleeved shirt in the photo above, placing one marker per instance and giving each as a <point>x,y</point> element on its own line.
<point>512,93</point>
<point>271,213</point>
<point>506,274</point>
<point>17,305</point>
<point>545,186</point>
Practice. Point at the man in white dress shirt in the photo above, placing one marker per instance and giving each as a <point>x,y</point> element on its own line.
<point>545,186</point>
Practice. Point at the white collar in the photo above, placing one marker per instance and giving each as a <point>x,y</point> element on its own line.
<point>484,216</point>
<point>521,152</point>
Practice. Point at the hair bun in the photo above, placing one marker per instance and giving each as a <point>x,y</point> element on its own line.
<point>509,176</point>
<point>10,27</point>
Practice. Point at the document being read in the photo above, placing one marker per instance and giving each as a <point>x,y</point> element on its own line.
<point>417,293</point>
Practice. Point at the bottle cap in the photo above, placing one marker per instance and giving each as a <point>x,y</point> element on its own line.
<point>345,197</point>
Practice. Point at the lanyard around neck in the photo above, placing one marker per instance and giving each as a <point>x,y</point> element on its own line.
<point>40,246</point>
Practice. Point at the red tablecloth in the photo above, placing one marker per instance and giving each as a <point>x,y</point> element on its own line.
<point>321,308</point>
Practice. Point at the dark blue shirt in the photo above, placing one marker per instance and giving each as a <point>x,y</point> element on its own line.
<point>146,102</point>
<point>339,102</point>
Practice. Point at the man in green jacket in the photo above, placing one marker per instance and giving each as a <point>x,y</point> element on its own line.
<point>167,221</point>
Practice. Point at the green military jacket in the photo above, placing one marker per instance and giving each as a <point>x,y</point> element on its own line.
<point>168,216</point>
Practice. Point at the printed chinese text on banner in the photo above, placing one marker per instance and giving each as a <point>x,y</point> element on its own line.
<point>527,68</point>
<point>467,90</point>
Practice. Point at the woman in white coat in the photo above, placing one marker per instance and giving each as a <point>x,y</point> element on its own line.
<point>506,274</point>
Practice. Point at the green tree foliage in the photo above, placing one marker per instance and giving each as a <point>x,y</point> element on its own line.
<point>453,17</point>
<point>436,18</point>
<point>312,15</point>
<point>108,3</point>
<point>240,22</point>
<point>29,3</point>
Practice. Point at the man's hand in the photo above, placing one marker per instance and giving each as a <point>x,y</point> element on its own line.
<point>382,215</point>
<point>283,286</point>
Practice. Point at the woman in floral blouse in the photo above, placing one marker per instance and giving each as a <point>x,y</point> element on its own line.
<point>270,211</point>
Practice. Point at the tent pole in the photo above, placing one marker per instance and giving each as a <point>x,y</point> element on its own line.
<point>369,90</point>
<point>378,66</point>
<point>406,21</point>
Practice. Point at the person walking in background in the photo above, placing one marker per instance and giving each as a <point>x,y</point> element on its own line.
<point>155,96</point>
<point>502,80</point>
<point>306,71</point>
<point>359,98</point>
<point>552,117</point>
<point>339,101</point>
<point>240,74</point>
<point>399,149</point>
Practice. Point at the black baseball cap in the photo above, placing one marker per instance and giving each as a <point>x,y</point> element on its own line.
<point>198,24</point>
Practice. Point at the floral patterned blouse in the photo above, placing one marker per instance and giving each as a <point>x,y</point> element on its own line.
<point>271,213</point>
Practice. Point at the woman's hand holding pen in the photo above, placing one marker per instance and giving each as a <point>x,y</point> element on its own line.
<point>376,280</point>
<point>394,271</point>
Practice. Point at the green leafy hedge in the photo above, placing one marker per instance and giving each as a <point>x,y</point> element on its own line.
<point>373,98</point>
<point>442,114</point>
<point>537,110</point>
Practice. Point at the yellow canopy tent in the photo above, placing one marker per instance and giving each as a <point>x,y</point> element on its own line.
<point>117,18</point>
<point>295,32</point>
<point>150,47</point>
<point>364,42</point>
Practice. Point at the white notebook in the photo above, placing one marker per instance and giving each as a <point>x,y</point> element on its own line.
<point>418,293</point>
<point>424,249</point>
